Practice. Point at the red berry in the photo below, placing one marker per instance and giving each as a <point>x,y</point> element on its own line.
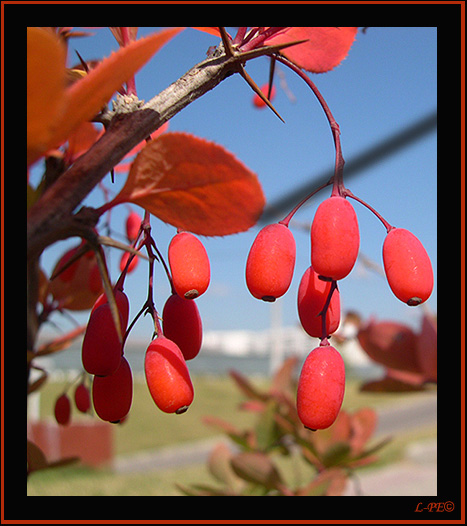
<point>63,410</point>
<point>335,239</point>
<point>182,324</point>
<point>102,350</point>
<point>312,295</point>
<point>321,388</point>
<point>122,302</point>
<point>132,225</point>
<point>167,376</point>
<point>112,395</point>
<point>189,264</point>
<point>271,261</point>
<point>124,260</point>
<point>258,101</point>
<point>407,266</point>
<point>82,398</point>
<point>94,280</point>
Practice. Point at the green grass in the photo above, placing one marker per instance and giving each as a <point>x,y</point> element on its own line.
<point>147,428</point>
<point>81,482</point>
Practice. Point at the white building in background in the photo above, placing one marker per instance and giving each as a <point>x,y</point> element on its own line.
<point>279,343</point>
<point>292,340</point>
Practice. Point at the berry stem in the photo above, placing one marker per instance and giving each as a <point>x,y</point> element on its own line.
<point>166,268</point>
<point>289,216</point>
<point>143,229</point>
<point>150,307</point>
<point>388,227</point>
<point>324,312</point>
<point>338,184</point>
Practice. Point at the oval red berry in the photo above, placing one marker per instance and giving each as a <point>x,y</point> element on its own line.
<point>123,305</point>
<point>101,350</point>
<point>132,225</point>
<point>189,264</point>
<point>62,410</point>
<point>82,398</point>
<point>182,324</point>
<point>311,299</point>
<point>167,376</point>
<point>407,266</point>
<point>335,238</point>
<point>271,262</point>
<point>321,388</point>
<point>112,395</point>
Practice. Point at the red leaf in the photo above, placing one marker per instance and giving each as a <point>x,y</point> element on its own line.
<point>390,384</point>
<point>247,388</point>
<point>326,47</point>
<point>87,96</point>
<point>211,30</point>
<point>55,112</point>
<point>195,185</point>
<point>427,348</point>
<point>364,423</point>
<point>124,167</point>
<point>46,56</point>
<point>391,344</point>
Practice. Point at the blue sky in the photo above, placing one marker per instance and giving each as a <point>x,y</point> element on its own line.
<point>387,82</point>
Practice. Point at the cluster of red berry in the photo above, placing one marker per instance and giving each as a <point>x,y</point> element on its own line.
<point>178,340</point>
<point>335,242</point>
<point>82,401</point>
<point>132,225</point>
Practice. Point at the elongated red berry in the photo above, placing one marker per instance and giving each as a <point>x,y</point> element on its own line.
<point>271,262</point>
<point>102,349</point>
<point>311,299</point>
<point>123,305</point>
<point>132,225</point>
<point>321,388</point>
<point>182,324</point>
<point>407,266</point>
<point>82,398</point>
<point>335,238</point>
<point>124,260</point>
<point>189,264</point>
<point>167,376</point>
<point>62,410</point>
<point>112,395</point>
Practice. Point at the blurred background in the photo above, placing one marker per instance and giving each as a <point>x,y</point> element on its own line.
<point>383,96</point>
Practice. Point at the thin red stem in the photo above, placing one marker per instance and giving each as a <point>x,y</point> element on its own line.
<point>338,184</point>
<point>289,216</point>
<point>324,312</point>
<point>338,181</point>
<point>388,227</point>
<point>150,300</point>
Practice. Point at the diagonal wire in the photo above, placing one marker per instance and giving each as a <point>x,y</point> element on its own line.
<point>398,141</point>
